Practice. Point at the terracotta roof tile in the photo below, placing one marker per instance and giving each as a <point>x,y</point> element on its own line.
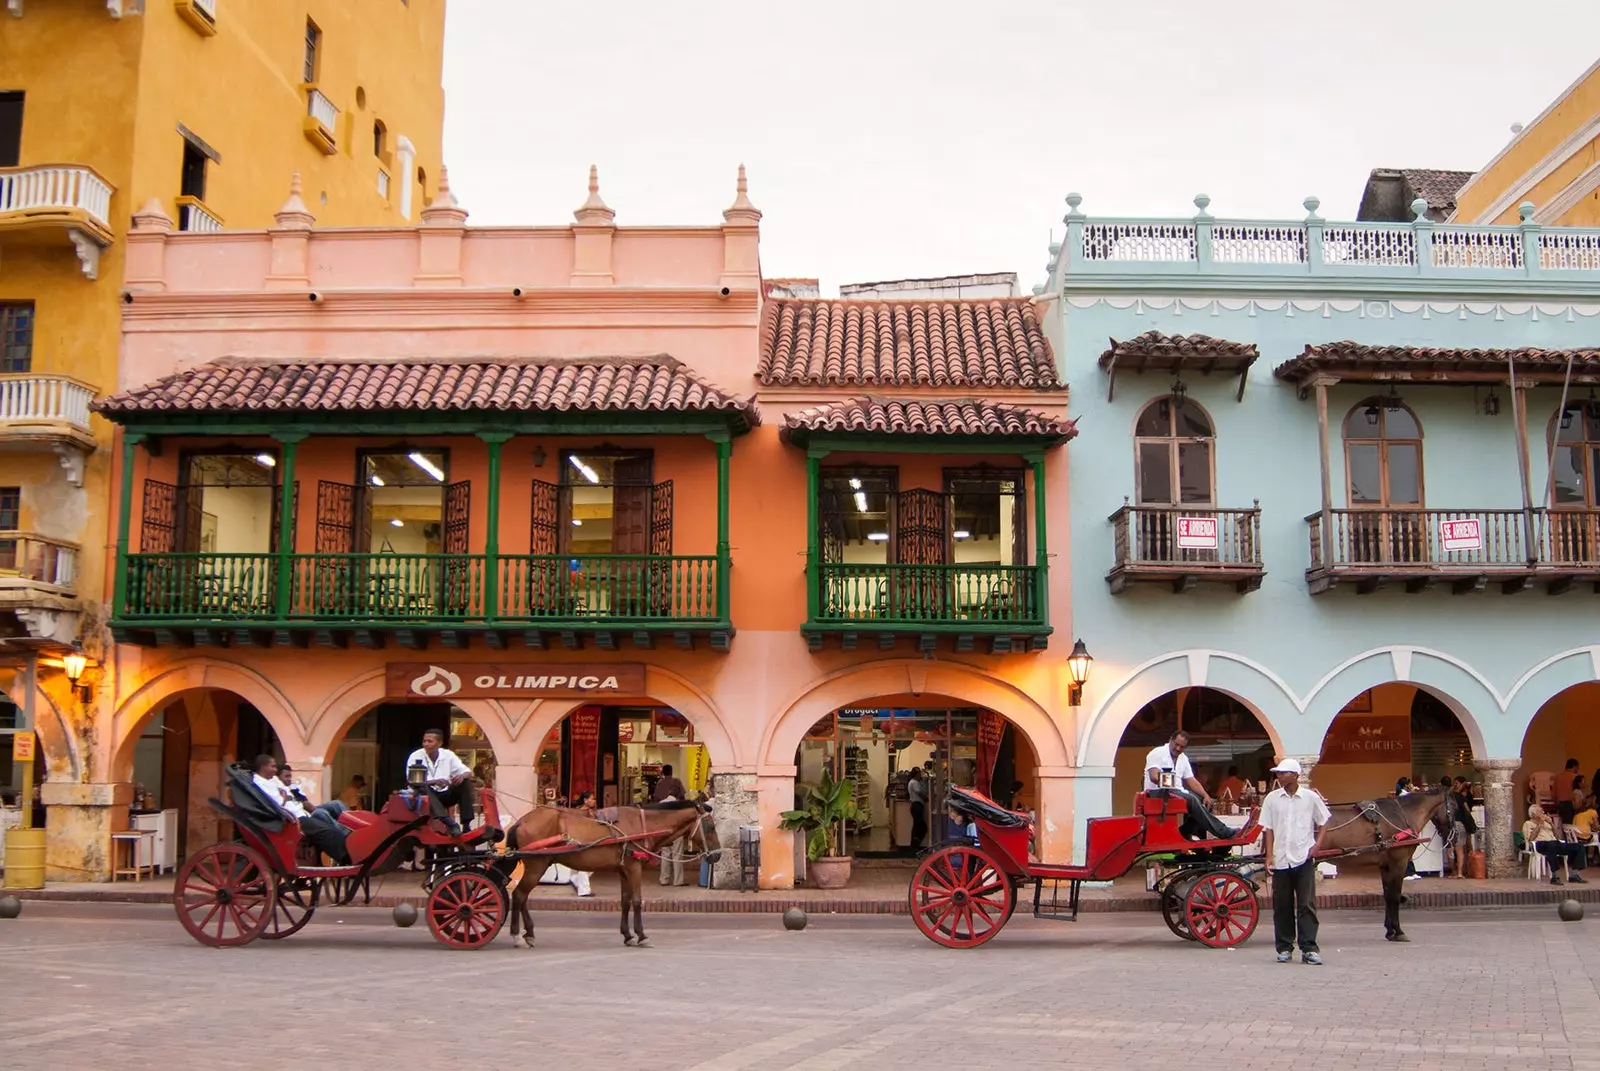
<point>1439,188</point>
<point>618,384</point>
<point>1172,351</point>
<point>951,416</point>
<point>1384,361</point>
<point>981,343</point>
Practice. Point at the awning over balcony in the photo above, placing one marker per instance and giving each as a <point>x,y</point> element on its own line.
<point>969,418</point>
<point>1353,362</point>
<point>1157,352</point>
<point>621,393</point>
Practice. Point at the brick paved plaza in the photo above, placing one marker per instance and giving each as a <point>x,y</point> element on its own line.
<point>101,986</point>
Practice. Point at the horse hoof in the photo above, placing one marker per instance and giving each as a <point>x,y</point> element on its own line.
<point>628,942</point>
<point>644,942</point>
<point>1397,937</point>
<point>527,942</point>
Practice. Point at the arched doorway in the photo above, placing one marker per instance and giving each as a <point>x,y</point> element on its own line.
<point>1389,732</point>
<point>1228,744</point>
<point>1561,730</point>
<point>621,753</point>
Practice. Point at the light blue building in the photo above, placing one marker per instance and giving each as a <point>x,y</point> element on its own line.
<point>1314,474</point>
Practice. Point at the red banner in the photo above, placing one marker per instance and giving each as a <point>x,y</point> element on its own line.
<point>991,730</point>
<point>585,738</point>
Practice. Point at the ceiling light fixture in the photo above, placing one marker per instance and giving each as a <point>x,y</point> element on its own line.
<point>423,462</point>
<point>398,523</point>
<point>577,522</point>
<point>855,483</point>
<point>861,502</point>
<point>878,537</point>
<point>377,481</point>
<point>588,473</point>
<point>266,459</point>
<point>962,533</point>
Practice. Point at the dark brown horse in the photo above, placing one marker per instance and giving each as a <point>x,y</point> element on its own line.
<point>1371,827</point>
<point>665,822</point>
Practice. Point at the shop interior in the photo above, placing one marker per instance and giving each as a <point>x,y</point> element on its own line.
<point>619,753</point>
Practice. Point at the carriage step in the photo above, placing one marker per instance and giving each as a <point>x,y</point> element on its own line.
<point>1055,909</point>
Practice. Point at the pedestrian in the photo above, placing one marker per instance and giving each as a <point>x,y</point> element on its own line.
<point>1294,818</point>
<point>917,792</point>
<point>1463,827</point>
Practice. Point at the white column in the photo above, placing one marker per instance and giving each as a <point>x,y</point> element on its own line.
<point>406,159</point>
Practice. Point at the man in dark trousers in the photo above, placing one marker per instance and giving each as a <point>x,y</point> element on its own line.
<point>1294,818</point>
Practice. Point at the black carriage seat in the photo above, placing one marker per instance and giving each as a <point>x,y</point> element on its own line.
<point>976,805</point>
<point>250,804</point>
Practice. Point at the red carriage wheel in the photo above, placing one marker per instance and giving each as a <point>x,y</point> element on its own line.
<point>466,909</point>
<point>1174,910</point>
<point>1221,910</point>
<point>295,903</point>
<point>224,896</point>
<point>960,898</point>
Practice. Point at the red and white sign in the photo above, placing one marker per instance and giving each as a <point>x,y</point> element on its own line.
<point>1461,535</point>
<point>1197,533</point>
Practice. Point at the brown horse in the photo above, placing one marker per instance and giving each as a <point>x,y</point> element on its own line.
<point>1370,828</point>
<point>666,822</point>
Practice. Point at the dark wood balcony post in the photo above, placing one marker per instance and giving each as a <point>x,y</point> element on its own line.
<point>119,599</point>
<point>491,539</point>
<point>724,551</point>
<point>291,441</point>
<point>1321,385</point>
<point>813,544</point>
<point>1041,576</point>
<point>1519,414</point>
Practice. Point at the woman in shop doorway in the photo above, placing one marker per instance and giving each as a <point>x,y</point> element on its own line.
<point>917,791</point>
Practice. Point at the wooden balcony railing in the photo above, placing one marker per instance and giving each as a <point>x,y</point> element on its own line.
<point>1186,546</point>
<point>1468,547</point>
<point>38,559</point>
<point>422,589</point>
<point>916,596</point>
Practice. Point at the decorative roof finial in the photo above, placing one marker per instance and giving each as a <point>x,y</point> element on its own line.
<point>1419,207</point>
<point>444,210</point>
<point>1202,201</point>
<point>152,217</point>
<point>1311,204</point>
<point>742,211</point>
<point>1525,211</point>
<point>594,210</point>
<point>1073,201</point>
<point>294,215</point>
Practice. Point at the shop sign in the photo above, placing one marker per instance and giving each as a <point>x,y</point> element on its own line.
<point>991,731</point>
<point>1461,535</point>
<point>22,747</point>
<point>534,680</point>
<point>699,761</point>
<point>1197,533</point>
<point>585,737</point>
<point>1368,738</point>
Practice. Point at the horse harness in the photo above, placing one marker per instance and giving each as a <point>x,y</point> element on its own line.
<point>1371,811</point>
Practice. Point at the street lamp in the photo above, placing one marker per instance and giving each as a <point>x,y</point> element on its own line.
<point>1078,664</point>
<point>75,662</point>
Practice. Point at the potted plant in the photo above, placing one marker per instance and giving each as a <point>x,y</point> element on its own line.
<point>828,805</point>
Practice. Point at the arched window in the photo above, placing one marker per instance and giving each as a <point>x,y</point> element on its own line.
<point>1174,454</point>
<point>1383,456</point>
<point>1575,481</point>
<point>380,135</point>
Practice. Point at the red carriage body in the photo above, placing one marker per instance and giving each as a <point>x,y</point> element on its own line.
<point>961,895</point>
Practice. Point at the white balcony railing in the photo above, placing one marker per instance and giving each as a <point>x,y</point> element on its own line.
<point>321,109</point>
<point>39,559</point>
<point>197,219</point>
<point>383,184</point>
<point>55,187</point>
<point>28,398</point>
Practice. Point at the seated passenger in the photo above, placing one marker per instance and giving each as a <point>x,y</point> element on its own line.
<point>319,824</point>
<point>1169,759</point>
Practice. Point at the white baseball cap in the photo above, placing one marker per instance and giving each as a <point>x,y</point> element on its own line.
<point>1288,766</point>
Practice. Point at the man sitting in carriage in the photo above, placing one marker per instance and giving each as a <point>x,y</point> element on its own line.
<point>319,824</point>
<point>1167,772</point>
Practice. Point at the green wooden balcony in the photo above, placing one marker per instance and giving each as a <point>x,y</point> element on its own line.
<point>1005,605</point>
<point>334,598</point>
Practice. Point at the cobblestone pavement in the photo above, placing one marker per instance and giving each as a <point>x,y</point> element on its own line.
<point>111,985</point>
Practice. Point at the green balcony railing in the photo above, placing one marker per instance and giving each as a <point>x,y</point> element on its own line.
<point>618,587</point>
<point>927,595</point>
<point>423,588</point>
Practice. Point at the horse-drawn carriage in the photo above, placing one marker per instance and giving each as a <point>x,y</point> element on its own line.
<point>271,880</point>
<point>961,895</point>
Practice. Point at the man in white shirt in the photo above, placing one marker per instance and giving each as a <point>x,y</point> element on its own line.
<point>1294,818</point>
<point>1167,772</point>
<point>320,824</point>
<point>445,776</point>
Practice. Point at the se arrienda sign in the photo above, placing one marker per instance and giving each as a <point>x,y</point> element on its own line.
<point>469,680</point>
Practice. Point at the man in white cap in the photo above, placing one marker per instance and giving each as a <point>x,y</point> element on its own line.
<point>1294,818</point>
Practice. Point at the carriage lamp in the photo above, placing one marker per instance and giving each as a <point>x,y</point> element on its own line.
<point>74,662</point>
<point>1078,664</point>
<point>417,775</point>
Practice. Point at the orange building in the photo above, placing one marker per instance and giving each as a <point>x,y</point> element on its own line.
<point>586,498</point>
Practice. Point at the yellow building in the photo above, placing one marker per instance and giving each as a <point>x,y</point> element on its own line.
<point>1553,162</point>
<point>202,109</point>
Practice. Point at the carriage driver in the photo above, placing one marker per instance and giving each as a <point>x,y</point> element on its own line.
<point>447,778</point>
<point>1170,760</point>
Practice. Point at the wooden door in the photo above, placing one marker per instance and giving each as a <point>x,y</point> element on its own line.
<point>335,580</point>
<point>152,584</point>
<point>630,505</point>
<point>921,539</point>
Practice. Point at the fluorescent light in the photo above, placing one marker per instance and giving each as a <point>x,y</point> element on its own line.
<point>577,523</point>
<point>377,481</point>
<point>962,533</point>
<point>855,483</point>
<point>426,465</point>
<point>589,474</point>
<point>861,502</point>
<point>266,459</point>
<point>878,537</point>
<point>398,523</point>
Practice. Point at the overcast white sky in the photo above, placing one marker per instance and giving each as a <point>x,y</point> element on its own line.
<point>889,139</point>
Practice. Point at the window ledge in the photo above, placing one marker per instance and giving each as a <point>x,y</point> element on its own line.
<point>200,14</point>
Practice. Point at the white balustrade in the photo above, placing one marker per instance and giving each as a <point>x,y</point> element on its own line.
<point>1258,243</point>
<point>38,558</point>
<point>321,109</point>
<point>1455,247</point>
<point>1370,246</point>
<point>383,184</point>
<point>1564,250</point>
<point>198,220</point>
<point>37,398</point>
<point>24,189</point>
<point>1139,241</point>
